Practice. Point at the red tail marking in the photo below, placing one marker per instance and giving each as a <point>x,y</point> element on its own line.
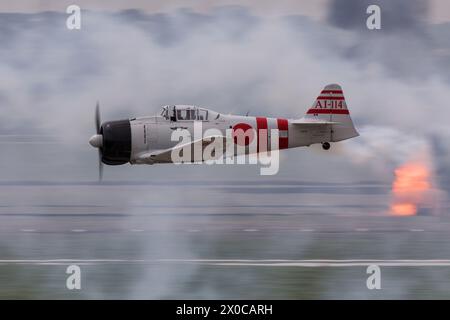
<point>330,98</point>
<point>328,111</point>
<point>332,91</point>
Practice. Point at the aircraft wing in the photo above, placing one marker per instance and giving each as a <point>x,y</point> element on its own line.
<point>166,155</point>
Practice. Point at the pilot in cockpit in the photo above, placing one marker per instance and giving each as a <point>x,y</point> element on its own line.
<point>172,114</point>
<point>177,113</point>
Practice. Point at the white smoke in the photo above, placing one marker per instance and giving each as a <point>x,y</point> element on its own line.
<point>234,62</point>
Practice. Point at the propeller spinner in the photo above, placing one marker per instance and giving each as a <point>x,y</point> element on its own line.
<point>97,141</point>
<point>113,141</point>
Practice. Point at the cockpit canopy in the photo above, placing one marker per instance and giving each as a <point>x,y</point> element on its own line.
<point>187,113</point>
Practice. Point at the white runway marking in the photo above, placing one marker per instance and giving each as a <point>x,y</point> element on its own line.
<point>319,263</point>
<point>241,230</point>
<point>240,262</point>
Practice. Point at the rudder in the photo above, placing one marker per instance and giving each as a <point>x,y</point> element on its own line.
<point>331,106</point>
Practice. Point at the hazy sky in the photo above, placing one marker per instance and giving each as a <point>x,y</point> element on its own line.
<point>252,56</point>
<point>439,9</point>
<point>266,7</point>
<point>263,57</point>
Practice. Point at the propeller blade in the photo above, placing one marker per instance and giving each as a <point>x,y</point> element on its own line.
<point>100,151</point>
<point>97,117</point>
<point>100,166</point>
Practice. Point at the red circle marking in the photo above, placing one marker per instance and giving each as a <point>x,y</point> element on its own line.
<point>243,130</point>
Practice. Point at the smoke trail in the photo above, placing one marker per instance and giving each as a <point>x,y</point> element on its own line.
<point>229,60</point>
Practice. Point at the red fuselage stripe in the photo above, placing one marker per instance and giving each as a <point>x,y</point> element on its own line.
<point>328,111</point>
<point>283,142</point>
<point>261,123</point>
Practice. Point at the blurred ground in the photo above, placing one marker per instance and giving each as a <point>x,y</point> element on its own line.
<point>130,246</point>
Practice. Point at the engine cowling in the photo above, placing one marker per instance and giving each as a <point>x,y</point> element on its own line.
<point>116,145</point>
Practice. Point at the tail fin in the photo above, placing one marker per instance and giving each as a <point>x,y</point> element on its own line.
<point>330,106</point>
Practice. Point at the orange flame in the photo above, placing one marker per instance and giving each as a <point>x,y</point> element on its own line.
<point>411,182</point>
<point>404,209</point>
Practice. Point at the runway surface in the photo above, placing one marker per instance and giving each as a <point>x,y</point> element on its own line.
<point>216,240</point>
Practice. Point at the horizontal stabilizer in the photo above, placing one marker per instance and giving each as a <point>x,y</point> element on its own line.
<point>312,121</point>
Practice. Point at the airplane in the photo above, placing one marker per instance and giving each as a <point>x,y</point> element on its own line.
<point>147,140</point>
